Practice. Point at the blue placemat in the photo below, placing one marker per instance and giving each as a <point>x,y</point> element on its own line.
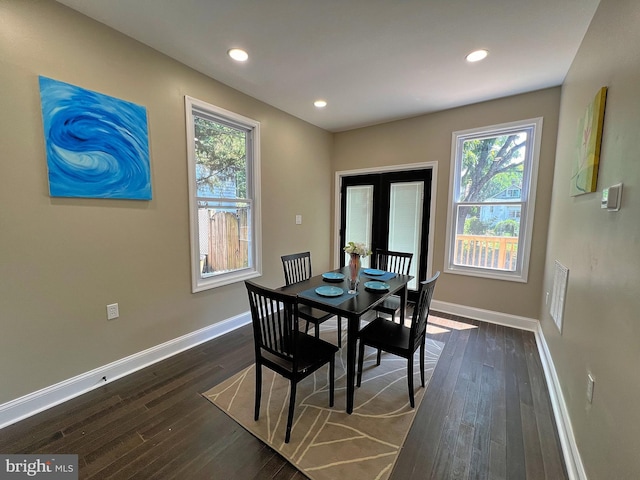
<point>312,295</point>
<point>385,276</point>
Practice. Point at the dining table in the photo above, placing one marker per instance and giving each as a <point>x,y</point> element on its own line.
<point>351,306</point>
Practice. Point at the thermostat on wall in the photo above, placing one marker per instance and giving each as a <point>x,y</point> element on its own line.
<point>611,197</point>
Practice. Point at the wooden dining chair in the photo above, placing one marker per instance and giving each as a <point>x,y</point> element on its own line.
<point>297,268</point>
<point>396,262</point>
<point>399,340</point>
<point>280,346</point>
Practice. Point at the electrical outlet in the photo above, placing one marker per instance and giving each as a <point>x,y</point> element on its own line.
<point>590,384</point>
<point>112,311</point>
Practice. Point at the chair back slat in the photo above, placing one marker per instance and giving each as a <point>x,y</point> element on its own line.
<point>421,310</point>
<point>274,318</point>
<point>297,267</point>
<point>390,261</point>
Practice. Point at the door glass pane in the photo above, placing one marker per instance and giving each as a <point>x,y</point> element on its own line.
<point>405,222</point>
<point>359,217</point>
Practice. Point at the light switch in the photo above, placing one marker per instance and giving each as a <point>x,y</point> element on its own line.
<point>611,197</point>
<point>298,219</point>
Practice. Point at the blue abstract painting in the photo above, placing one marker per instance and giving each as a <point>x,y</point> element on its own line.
<point>97,146</point>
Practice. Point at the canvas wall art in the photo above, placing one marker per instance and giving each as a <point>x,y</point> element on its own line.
<point>584,177</point>
<point>97,146</point>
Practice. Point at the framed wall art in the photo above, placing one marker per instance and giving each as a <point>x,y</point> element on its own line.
<point>584,177</point>
<point>97,146</point>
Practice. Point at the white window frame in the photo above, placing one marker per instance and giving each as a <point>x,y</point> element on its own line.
<point>199,283</point>
<point>528,198</point>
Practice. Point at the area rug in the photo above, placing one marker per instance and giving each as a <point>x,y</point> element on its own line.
<point>326,443</point>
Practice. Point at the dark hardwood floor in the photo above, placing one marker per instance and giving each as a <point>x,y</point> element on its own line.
<point>486,414</point>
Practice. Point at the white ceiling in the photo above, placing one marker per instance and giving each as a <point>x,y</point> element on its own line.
<point>372,60</point>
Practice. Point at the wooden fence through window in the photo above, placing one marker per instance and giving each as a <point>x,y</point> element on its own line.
<point>228,242</point>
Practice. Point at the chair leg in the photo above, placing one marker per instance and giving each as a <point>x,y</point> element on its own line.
<point>422,349</point>
<point>292,404</point>
<point>360,362</point>
<point>332,380</point>
<point>410,380</point>
<point>379,357</point>
<point>339,331</point>
<point>306,330</point>
<point>258,391</point>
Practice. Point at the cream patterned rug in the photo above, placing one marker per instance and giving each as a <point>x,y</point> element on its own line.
<point>326,443</point>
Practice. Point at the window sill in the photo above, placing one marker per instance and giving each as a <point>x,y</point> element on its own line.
<point>203,284</point>
<point>488,274</point>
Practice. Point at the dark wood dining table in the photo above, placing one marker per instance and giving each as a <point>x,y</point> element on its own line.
<point>352,308</point>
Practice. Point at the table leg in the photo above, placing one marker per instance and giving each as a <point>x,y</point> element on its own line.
<point>403,303</point>
<point>353,327</point>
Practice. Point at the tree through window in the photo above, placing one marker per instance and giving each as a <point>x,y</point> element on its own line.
<point>491,210</point>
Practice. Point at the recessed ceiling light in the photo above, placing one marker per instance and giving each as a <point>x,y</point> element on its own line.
<point>477,55</point>
<point>320,103</point>
<point>238,54</point>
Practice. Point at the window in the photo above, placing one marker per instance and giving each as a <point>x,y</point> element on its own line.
<point>224,195</point>
<point>491,200</point>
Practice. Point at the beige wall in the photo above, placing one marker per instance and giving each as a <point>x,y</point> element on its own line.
<point>63,260</point>
<point>601,332</point>
<point>428,139</point>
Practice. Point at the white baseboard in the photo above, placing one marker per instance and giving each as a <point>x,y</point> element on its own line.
<point>32,403</point>
<point>573,461</point>
<point>522,323</point>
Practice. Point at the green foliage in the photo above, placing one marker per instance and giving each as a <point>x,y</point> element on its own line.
<point>490,165</point>
<point>220,156</point>
<point>507,228</point>
<point>473,226</point>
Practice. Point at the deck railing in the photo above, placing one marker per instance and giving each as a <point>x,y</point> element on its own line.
<point>499,253</point>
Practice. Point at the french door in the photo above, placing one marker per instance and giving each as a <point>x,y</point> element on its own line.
<point>388,211</point>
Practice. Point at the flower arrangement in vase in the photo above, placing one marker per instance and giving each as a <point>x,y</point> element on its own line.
<point>356,251</point>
